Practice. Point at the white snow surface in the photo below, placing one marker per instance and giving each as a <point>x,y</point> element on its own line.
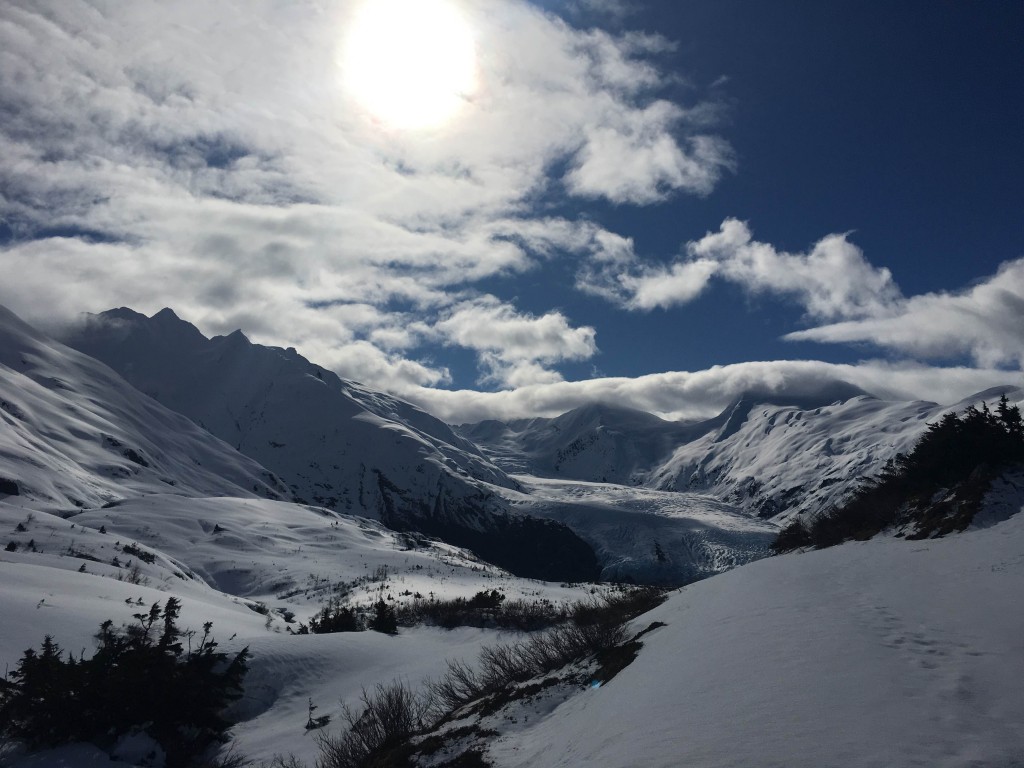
<point>773,456</point>
<point>269,556</point>
<point>73,433</point>
<point>883,653</point>
<point>335,442</point>
<point>293,557</point>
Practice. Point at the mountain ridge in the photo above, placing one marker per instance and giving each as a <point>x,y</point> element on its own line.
<point>76,434</point>
<point>335,443</point>
<point>778,454</point>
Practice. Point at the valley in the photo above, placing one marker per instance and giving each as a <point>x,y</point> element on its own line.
<point>281,498</point>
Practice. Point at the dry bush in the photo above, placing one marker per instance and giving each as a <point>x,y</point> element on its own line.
<point>390,715</point>
<point>459,684</point>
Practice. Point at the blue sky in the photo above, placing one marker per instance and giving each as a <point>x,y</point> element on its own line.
<point>897,122</point>
<point>652,203</point>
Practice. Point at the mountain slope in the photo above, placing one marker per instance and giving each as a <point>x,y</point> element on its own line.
<point>334,442</point>
<point>75,434</point>
<point>774,454</point>
<point>786,460</point>
<point>596,443</point>
<point>882,653</point>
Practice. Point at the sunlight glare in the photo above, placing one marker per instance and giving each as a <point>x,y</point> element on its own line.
<point>410,63</point>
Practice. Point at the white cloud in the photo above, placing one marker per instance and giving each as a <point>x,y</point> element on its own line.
<point>833,280</point>
<point>203,156</point>
<point>637,160</point>
<point>678,284</point>
<point>985,322</point>
<point>851,300</point>
<point>362,361</point>
<point>701,394</point>
<point>515,346</point>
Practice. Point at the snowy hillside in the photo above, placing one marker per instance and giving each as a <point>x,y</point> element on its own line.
<point>771,455</point>
<point>255,568</point>
<point>878,653</point>
<point>75,434</point>
<point>337,444</point>
<point>787,460</point>
<point>883,653</point>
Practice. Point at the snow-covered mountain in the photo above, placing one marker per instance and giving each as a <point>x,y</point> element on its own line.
<point>772,455</point>
<point>885,652</point>
<point>786,460</point>
<point>881,653</point>
<point>597,443</point>
<point>335,443</point>
<point>74,434</point>
<point>327,436</point>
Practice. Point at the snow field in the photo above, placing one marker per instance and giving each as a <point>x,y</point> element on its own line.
<point>885,653</point>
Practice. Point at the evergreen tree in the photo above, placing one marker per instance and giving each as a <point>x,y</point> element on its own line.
<point>140,678</point>
<point>960,452</point>
<point>384,619</point>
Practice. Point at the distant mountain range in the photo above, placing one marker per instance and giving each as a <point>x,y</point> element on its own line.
<point>598,492</point>
<point>773,456</point>
<point>259,489</point>
<point>335,443</point>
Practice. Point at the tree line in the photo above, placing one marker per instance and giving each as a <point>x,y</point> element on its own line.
<point>960,454</point>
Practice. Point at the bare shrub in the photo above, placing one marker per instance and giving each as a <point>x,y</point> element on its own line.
<point>284,761</point>
<point>484,609</point>
<point>594,628</point>
<point>390,715</point>
<point>503,665</point>
<point>617,607</point>
<point>459,684</point>
<point>378,734</point>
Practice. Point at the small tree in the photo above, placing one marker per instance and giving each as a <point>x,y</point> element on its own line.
<point>334,617</point>
<point>313,723</point>
<point>383,619</point>
<point>139,679</point>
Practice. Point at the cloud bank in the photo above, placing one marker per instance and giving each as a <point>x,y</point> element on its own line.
<point>832,280</point>
<point>984,322</point>
<point>205,156</point>
<point>702,394</point>
<point>847,298</point>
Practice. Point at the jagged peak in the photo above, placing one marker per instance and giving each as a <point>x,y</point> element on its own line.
<point>237,337</point>
<point>167,315</point>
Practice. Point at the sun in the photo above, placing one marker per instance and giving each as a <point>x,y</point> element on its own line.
<point>410,63</point>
